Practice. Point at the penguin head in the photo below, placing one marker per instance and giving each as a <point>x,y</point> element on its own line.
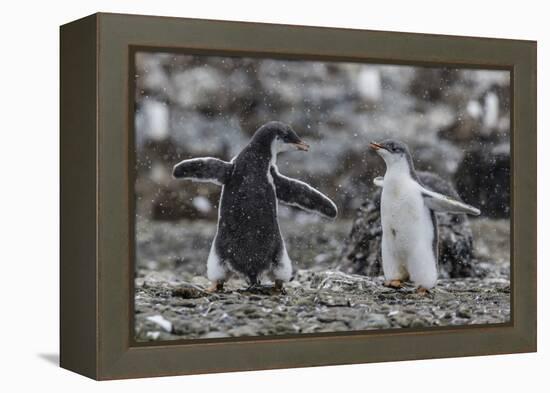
<point>392,151</point>
<point>279,136</point>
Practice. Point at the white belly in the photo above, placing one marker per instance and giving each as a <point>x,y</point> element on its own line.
<point>407,233</point>
<point>404,217</point>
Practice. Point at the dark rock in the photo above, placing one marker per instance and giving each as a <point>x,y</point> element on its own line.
<point>361,253</point>
<point>430,84</point>
<point>172,204</point>
<point>483,179</point>
<point>462,130</point>
<point>156,151</point>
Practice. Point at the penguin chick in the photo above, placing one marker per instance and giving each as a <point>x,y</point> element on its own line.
<point>248,239</point>
<point>409,224</point>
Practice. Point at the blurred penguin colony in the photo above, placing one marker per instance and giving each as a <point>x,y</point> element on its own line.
<point>455,121</point>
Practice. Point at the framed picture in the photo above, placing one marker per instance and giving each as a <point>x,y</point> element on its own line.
<point>241,196</point>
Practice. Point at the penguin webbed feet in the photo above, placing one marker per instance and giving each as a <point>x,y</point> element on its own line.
<point>395,284</point>
<point>400,284</point>
<point>422,291</point>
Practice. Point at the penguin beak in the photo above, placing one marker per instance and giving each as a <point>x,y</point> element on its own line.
<point>376,146</point>
<point>301,145</point>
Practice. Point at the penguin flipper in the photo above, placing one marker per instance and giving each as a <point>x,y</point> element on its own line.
<point>442,203</point>
<point>297,193</point>
<point>206,169</point>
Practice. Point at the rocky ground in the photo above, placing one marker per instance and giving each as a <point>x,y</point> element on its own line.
<point>171,301</point>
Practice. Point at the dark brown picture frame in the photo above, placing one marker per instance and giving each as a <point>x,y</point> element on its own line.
<point>97,208</point>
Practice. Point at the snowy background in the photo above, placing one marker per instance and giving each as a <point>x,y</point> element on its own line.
<point>455,121</point>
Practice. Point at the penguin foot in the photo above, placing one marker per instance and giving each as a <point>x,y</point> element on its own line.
<point>278,288</point>
<point>217,286</point>
<point>422,291</point>
<point>396,284</point>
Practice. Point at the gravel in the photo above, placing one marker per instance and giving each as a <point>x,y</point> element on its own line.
<point>329,301</point>
<point>171,301</point>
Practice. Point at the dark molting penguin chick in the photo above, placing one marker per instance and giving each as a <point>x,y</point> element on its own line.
<point>409,226</point>
<point>248,239</point>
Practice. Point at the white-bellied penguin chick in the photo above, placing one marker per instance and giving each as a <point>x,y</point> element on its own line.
<point>409,224</point>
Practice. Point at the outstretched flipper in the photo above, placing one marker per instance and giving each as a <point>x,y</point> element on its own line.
<point>205,169</point>
<point>442,203</point>
<point>297,193</point>
<point>439,202</point>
